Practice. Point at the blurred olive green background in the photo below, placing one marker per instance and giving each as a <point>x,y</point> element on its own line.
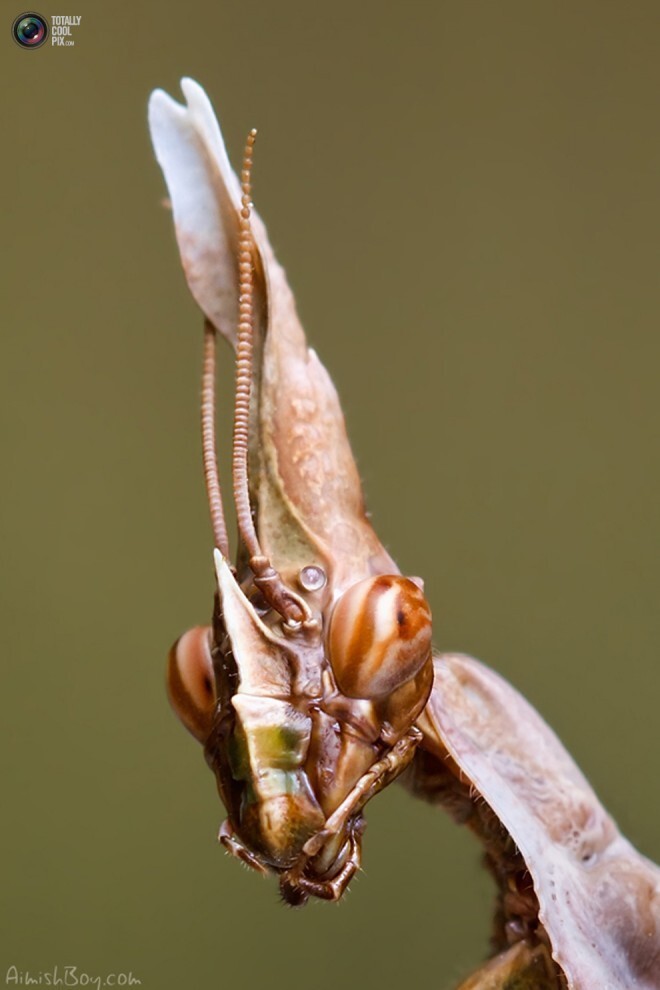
<point>467,200</point>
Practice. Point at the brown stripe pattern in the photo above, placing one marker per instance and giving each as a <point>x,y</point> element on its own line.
<point>191,682</point>
<point>379,636</point>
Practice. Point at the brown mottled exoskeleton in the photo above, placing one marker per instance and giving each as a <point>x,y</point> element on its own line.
<point>316,684</point>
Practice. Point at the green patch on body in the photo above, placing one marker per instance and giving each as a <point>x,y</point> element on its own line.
<point>268,748</point>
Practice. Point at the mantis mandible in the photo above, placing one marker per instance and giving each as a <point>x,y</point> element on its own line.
<point>316,684</point>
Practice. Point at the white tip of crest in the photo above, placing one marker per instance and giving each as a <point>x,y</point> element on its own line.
<point>222,570</point>
<point>205,195</point>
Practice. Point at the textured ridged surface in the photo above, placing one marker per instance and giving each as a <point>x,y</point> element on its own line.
<point>599,899</point>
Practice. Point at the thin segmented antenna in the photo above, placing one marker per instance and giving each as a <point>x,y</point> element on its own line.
<point>244,348</point>
<point>209,453</point>
<point>293,609</point>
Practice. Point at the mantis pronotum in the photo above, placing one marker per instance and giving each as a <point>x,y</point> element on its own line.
<point>316,684</point>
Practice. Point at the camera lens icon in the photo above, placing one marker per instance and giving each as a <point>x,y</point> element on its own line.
<point>29,30</point>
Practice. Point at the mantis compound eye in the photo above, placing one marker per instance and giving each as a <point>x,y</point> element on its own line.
<point>191,681</point>
<point>379,636</point>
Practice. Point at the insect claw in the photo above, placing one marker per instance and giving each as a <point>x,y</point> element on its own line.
<point>234,846</point>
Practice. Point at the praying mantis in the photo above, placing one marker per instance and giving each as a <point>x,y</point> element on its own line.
<point>316,684</point>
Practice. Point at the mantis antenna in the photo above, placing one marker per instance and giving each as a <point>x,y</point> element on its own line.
<point>293,609</point>
<point>209,454</point>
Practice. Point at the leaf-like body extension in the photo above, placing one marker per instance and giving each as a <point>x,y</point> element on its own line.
<point>303,477</point>
<point>598,898</point>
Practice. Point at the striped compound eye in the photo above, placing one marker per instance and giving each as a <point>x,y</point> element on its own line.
<point>379,636</point>
<point>191,682</point>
